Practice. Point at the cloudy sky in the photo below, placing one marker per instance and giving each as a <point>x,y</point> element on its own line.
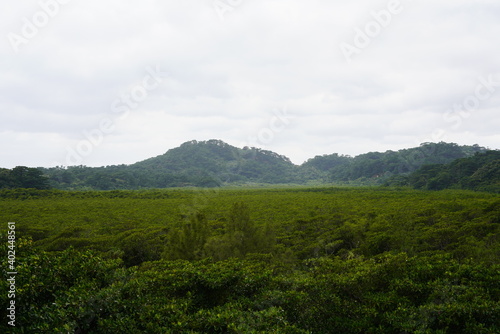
<point>118,81</point>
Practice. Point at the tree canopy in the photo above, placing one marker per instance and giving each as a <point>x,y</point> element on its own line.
<point>23,177</point>
<point>214,163</point>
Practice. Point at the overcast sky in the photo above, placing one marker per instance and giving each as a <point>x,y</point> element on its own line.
<point>115,82</point>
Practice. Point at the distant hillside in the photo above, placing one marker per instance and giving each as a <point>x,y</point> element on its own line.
<point>215,163</point>
<point>222,163</point>
<point>479,172</point>
<point>209,163</point>
<point>377,167</point>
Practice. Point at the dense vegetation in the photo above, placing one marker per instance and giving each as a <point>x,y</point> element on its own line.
<point>479,172</point>
<point>214,163</point>
<point>302,260</point>
<point>203,164</point>
<point>379,166</point>
<point>23,177</point>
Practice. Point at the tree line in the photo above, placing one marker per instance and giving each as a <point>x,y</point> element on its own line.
<point>479,172</point>
<point>214,163</point>
<point>23,177</point>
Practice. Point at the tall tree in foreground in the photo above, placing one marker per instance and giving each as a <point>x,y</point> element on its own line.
<point>242,236</point>
<point>189,240</point>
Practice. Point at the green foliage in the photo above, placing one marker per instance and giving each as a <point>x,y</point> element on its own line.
<point>301,260</point>
<point>385,294</point>
<point>202,164</point>
<point>214,163</point>
<point>194,239</point>
<point>242,236</point>
<point>188,242</point>
<point>60,292</point>
<point>139,245</point>
<point>23,177</point>
<point>479,172</point>
<point>377,167</point>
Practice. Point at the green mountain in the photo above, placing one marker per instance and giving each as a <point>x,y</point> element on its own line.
<point>215,163</point>
<point>479,172</point>
<point>221,163</point>
<point>209,163</point>
<point>377,167</point>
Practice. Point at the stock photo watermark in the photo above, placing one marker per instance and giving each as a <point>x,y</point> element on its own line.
<point>280,120</point>
<point>277,123</point>
<point>483,91</point>
<point>31,26</point>
<point>11,273</point>
<point>364,36</point>
<point>223,7</point>
<point>456,114</point>
<point>120,108</point>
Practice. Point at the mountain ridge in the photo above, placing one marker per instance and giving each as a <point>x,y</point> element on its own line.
<point>214,163</point>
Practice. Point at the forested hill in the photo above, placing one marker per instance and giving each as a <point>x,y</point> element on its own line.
<point>376,166</point>
<point>209,163</point>
<point>215,163</point>
<point>479,172</point>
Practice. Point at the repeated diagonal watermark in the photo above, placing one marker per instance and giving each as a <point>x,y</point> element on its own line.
<point>119,109</point>
<point>32,25</point>
<point>224,7</point>
<point>364,36</point>
<point>485,89</point>
<point>277,123</point>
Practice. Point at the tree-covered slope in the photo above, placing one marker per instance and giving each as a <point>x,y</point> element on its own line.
<point>195,163</point>
<point>222,162</point>
<point>215,163</point>
<point>479,172</point>
<point>378,166</point>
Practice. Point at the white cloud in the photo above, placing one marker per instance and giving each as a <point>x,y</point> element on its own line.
<point>225,77</point>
